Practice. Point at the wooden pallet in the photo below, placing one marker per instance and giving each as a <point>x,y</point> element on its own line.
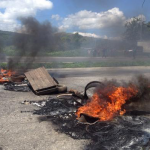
<point>40,80</point>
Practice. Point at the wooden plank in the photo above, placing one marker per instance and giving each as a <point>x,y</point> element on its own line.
<point>47,79</point>
<point>51,80</point>
<point>30,79</point>
<point>37,79</point>
<point>44,79</point>
<point>40,79</point>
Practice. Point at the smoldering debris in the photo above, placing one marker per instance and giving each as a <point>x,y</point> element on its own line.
<point>39,103</point>
<point>33,37</point>
<point>13,81</point>
<point>124,132</point>
<point>17,87</point>
<point>128,132</point>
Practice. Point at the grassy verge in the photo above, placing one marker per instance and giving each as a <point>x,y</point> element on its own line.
<point>83,64</point>
<point>71,53</point>
<point>11,51</point>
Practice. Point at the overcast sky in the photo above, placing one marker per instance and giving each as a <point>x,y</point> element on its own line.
<point>98,18</point>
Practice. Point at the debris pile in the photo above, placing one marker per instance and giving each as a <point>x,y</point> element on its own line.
<point>37,80</point>
<point>5,75</point>
<point>123,132</point>
<point>18,87</point>
<point>107,118</point>
<point>130,131</point>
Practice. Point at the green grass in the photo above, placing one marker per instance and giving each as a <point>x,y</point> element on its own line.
<point>70,53</point>
<point>11,51</point>
<point>83,64</point>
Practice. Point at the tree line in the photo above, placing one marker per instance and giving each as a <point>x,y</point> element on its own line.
<point>136,29</point>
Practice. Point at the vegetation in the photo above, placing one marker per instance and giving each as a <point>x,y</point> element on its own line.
<point>70,45</point>
<point>84,64</point>
<point>68,53</point>
<point>137,29</point>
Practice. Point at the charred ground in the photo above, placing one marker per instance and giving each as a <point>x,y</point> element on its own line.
<point>130,131</point>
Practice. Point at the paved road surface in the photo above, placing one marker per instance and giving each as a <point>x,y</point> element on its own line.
<point>24,131</point>
<point>100,72</point>
<point>78,59</point>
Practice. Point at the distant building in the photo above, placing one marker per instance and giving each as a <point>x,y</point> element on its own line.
<point>145,45</point>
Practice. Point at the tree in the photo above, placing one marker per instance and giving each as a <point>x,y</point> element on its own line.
<point>77,40</point>
<point>135,29</point>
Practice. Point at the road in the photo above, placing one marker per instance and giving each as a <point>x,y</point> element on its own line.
<point>24,131</point>
<point>100,72</point>
<point>76,59</point>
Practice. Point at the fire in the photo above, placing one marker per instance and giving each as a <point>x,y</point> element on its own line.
<point>4,75</point>
<point>106,104</point>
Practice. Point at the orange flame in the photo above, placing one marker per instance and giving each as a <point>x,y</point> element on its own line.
<point>5,74</point>
<point>104,109</point>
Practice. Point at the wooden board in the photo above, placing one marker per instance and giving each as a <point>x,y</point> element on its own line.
<point>40,79</point>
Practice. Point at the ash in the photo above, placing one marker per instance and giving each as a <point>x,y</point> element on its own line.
<point>128,132</point>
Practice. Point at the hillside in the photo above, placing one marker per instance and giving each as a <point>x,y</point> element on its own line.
<point>6,37</point>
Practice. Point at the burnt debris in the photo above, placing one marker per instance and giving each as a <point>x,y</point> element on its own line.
<point>18,87</point>
<point>128,132</point>
<point>122,133</point>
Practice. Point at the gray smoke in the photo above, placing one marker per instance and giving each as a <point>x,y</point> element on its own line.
<point>142,101</point>
<point>139,102</point>
<point>34,37</point>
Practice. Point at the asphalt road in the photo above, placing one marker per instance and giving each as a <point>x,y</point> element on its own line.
<point>75,59</point>
<point>24,131</point>
<point>99,72</point>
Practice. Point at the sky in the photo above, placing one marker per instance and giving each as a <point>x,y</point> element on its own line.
<point>96,18</point>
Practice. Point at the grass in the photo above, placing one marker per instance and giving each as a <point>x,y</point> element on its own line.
<point>71,53</point>
<point>11,51</point>
<point>66,53</point>
<point>83,64</point>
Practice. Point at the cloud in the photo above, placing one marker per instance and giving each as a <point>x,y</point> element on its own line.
<point>90,35</point>
<point>56,17</point>
<point>92,20</point>
<point>14,9</point>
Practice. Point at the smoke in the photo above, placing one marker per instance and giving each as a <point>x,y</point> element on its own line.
<point>142,101</point>
<point>139,102</point>
<point>33,37</point>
